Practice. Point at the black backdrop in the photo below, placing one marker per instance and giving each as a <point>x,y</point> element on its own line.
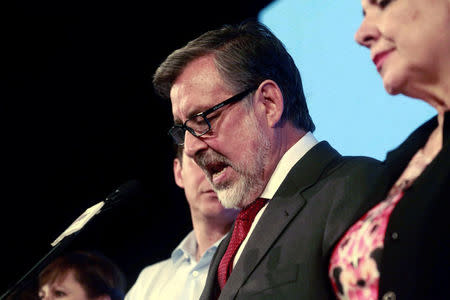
<point>79,117</point>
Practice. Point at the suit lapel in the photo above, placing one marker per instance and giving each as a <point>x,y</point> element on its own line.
<point>269,227</point>
<point>285,205</point>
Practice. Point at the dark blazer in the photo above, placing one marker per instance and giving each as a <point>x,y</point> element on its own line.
<point>415,263</point>
<point>287,255</point>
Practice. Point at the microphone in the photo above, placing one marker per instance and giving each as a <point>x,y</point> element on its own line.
<point>128,190</point>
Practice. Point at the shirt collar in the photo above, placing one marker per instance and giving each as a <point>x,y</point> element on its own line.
<point>188,248</point>
<point>289,159</point>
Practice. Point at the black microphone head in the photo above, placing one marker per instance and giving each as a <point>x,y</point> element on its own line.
<point>128,190</point>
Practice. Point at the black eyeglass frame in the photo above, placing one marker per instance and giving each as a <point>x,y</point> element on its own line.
<point>177,127</point>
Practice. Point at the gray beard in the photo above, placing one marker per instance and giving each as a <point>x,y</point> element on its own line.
<point>239,194</point>
<point>250,183</point>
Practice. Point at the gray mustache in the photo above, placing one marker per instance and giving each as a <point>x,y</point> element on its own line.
<point>210,157</point>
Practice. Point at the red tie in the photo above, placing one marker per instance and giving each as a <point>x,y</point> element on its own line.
<point>241,227</point>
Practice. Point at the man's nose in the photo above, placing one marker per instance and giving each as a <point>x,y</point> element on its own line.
<point>193,144</point>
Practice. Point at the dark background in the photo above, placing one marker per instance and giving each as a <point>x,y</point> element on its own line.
<point>79,117</point>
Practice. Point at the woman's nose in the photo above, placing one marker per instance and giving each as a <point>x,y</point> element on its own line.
<point>367,33</point>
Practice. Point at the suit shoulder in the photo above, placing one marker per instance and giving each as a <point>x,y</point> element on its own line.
<point>359,162</point>
<point>360,168</point>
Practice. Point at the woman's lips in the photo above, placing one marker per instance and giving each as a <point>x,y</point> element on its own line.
<point>379,58</point>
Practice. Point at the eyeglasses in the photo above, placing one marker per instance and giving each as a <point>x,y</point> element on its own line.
<point>199,124</point>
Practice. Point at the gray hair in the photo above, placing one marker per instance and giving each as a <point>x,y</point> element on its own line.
<point>245,55</point>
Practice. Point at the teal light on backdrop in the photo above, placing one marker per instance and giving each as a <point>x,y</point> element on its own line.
<point>345,94</point>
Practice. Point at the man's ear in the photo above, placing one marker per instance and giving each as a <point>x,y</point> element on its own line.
<point>270,99</point>
<point>177,167</point>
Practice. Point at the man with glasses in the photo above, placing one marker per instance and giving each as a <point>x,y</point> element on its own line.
<point>240,112</point>
<point>183,275</point>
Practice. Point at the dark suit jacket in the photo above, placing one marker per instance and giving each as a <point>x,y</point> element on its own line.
<point>287,255</point>
<point>415,262</point>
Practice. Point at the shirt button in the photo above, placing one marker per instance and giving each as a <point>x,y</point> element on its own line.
<point>389,296</point>
<point>195,273</point>
<point>394,235</point>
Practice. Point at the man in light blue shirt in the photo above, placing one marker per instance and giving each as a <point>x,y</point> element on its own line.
<point>183,275</point>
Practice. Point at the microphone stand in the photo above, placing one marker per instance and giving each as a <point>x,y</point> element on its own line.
<point>126,190</point>
<point>53,253</point>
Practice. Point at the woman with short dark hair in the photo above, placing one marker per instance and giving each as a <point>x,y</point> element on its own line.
<point>81,276</point>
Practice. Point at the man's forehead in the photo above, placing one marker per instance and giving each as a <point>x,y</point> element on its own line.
<point>196,88</point>
<point>200,71</point>
<point>187,103</point>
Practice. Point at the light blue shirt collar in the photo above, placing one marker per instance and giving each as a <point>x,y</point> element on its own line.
<point>187,249</point>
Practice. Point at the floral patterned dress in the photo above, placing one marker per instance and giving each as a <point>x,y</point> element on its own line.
<point>354,264</point>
